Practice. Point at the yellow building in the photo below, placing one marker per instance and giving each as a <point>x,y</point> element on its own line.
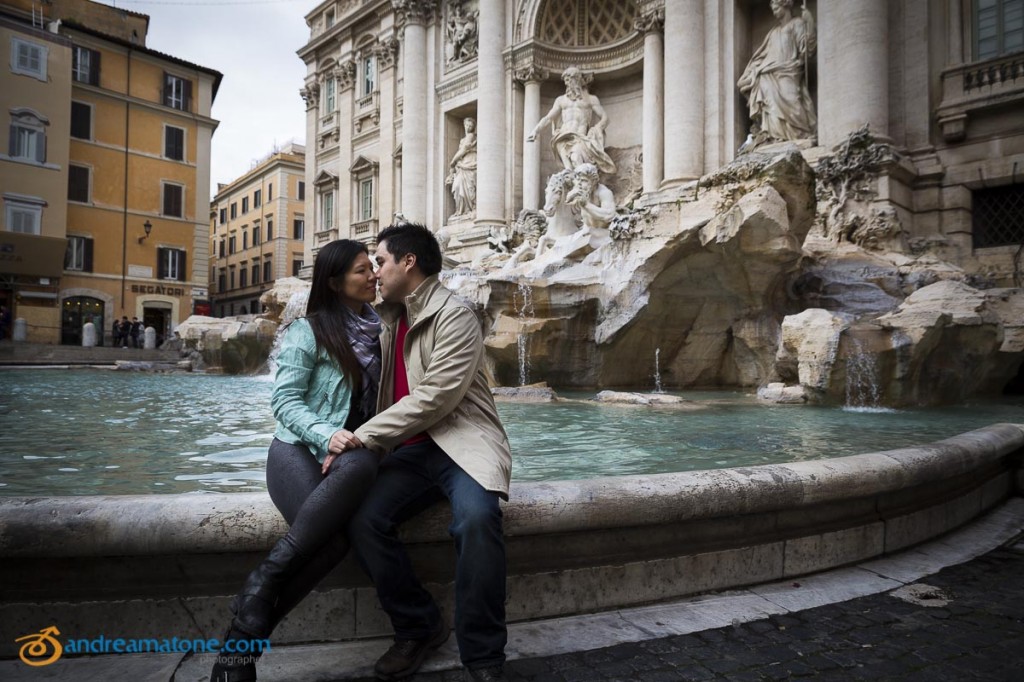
<point>257,230</point>
<point>136,127</point>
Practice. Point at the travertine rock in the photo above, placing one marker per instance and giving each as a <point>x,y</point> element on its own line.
<point>233,345</point>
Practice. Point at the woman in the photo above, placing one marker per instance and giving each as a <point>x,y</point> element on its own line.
<point>327,379</point>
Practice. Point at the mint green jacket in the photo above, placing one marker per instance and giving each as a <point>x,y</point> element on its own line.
<point>311,398</point>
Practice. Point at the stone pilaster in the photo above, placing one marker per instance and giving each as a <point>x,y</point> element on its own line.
<point>531,78</point>
<point>652,24</point>
<point>684,91</point>
<point>413,17</point>
<point>491,140</point>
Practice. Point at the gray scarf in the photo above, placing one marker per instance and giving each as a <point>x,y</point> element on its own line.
<point>364,339</point>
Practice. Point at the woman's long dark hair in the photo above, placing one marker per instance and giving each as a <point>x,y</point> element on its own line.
<point>325,310</point>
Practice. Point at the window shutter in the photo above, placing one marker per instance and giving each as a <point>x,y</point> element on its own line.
<point>188,95</point>
<point>165,96</point>
<point>41,147</point>
<point>181,265</point>
<point>94,68</point>
<point>67,254</point>
<point>87,260</point>
<point>12,144</point>
<point>161,263</point>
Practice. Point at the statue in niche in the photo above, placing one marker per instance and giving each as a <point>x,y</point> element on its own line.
<point>461,33</point>
<point>575,141</point>
<point>462,172</point>
<point>775,80</point>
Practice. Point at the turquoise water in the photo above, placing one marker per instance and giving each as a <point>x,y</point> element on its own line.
<point>93,432</point>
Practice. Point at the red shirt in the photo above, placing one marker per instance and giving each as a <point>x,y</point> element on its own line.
<point>401,378</point>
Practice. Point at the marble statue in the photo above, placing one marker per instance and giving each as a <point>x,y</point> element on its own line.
<point>462,171</point>
<point>575,141</point>
<point>461,33</point>
<point>595,202</point>
<point>775,80</point>
<point>577,206</point>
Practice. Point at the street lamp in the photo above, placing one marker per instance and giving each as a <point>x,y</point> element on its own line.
<point>148,227</point>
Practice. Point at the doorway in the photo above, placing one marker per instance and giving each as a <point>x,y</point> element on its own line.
<point>75,312</point>
<point>157,316</point>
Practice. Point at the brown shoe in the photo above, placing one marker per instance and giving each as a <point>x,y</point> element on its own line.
<point>407,655</point>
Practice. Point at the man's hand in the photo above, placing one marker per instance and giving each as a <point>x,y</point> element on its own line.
<point>341,441</point>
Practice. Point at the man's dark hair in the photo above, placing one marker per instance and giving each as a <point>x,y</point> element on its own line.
<point>414,238</point>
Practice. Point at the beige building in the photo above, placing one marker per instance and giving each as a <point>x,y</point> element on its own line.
<point>126,143</point>
<point>390,84</point>
<point>257,232</point>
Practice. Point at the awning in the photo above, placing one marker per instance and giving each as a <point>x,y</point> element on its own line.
<point>28,254</point>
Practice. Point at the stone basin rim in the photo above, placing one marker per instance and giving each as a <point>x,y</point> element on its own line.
<point>139,525</point>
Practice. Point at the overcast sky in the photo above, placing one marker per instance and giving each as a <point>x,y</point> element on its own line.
<point>251,42</point>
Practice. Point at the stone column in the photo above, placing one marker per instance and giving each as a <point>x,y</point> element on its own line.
<point>531,78</point>
<point>853,68</point>
<point>386,52</point>
<point>490,115</point>
<point>651,25</point>
<point>413,17</point>
<point>684,91</point>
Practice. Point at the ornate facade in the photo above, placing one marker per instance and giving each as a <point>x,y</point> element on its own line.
<point>684,86</point>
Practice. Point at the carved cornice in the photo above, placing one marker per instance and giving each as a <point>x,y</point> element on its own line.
<point>457,86</point>
<point>386,52</point>
<point>531,74</point>
<point>311,94</point>
<point>421,12</point>
<point>607,58</point>
<point>346,74</point>
<point>651,21</point>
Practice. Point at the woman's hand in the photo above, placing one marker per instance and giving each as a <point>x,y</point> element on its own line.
<point>341,441</point>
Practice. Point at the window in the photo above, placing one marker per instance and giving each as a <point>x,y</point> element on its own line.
<point>369,76</point>
<point>79,254</point>
<point>234,211</point>
<point>256,236</point>
<point>243,278</point>
<point>221,248</point>
<point>365,199</point>
<point>177,92</point>
<point>270,230</point>
<point>296,266</point>
<point>299,229</point>
<point>998,216</point>
<point>174,200</point>
<point>257,198</point>
<point>28,59</point>
<point>231,244</point>
<point>85,65</point>
<point>222,280</point>
<point>231,280</point>
<point>329,101</point>
<point>28,136</point>
<point>270,191</point>
<point>998,27</point>
<point>174,143</point>
<point>223,216</point>
<point>302,191</point>
<point>328,213</point>
<point>171,264</point>
<point>23,217</point>
<point>81,120</point>
<point>255,272</point>
<point>245,240</point>
<point>245,205</point>
<point>267,273</point>
<point>78,183</point>
<point>329,18</point>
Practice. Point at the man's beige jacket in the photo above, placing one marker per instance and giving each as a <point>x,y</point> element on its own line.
<point>449,398</point>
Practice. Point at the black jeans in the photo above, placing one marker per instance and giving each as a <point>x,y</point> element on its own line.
<point>317,507</point>
<point>411,479</point>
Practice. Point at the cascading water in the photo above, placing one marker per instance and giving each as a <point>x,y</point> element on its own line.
<point>657,372</point>
<point>294,309</point>
<point>862,390</point>
<point>522,301</point>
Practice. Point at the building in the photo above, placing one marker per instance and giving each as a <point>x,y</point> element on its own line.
<point>390,84</point>
<point>126,131</point>
<point>257,232</point>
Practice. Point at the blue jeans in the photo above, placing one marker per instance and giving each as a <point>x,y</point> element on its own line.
<point>411,479</point>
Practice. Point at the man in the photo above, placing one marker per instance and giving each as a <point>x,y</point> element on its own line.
<point>575,141</point>
<point>437,419</point>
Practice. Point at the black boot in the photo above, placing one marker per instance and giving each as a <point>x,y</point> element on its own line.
<point>234,667</point>
<point>254,605</point>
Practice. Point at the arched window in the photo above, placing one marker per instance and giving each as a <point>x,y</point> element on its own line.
<point>585,23</point>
